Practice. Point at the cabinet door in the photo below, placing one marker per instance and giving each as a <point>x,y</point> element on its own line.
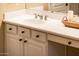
<point>25,47</point>
<point>36,49</point>
<point>14,45</point>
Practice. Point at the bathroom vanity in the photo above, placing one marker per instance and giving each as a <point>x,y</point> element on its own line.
<point>42,38</point>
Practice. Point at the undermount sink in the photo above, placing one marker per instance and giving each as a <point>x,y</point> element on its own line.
<point>35,21</point>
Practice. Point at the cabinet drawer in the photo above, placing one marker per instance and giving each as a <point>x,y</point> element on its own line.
<point>24,32</point>
<point>11,28</point>
<point>40,36</point>
<point>57,39</point>
<point>73,43</point>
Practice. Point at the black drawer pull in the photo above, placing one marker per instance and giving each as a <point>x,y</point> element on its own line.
<point>66,4</point>
<point>20,39</point>
<point>22,32</point>
<point>25,41</point>
<point>69,42</point>
<point>37,36</point>
<point>10,28</point>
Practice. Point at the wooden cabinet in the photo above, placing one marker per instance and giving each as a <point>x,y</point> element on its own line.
<point>18,41</point>
<point>36,49</point>
<point>15,39</point>
<point>62,46</point>
<point>28,42</point>
<point>57,49</point>
<point>37,45</point>
<point>14,45</point>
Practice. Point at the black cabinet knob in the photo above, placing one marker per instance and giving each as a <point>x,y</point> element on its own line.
<point>37,36</point>
<point>10,28</point>
<point>22,32</point>
<point>69,42</point>
<point>66,4</point>
<point>25,41</point>
<point>20,39</point>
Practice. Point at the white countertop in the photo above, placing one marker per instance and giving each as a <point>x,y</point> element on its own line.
<point>53,26</point>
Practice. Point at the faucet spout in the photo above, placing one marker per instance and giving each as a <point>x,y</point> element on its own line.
<point>40,16</point>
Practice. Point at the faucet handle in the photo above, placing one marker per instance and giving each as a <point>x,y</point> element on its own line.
<point>45,17</point>
<point>40,16</point>
<point>35,15</point>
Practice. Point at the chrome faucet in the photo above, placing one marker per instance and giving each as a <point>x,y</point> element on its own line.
<point>37,15</point>
<point>41,16</point>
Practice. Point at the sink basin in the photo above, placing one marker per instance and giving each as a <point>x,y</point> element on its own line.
<point>35,21</point>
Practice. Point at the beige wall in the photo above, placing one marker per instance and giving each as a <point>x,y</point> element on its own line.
<point>31,5</point>
<point>46,6</point>
<point>12,6</point>
<point>9,7</point>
